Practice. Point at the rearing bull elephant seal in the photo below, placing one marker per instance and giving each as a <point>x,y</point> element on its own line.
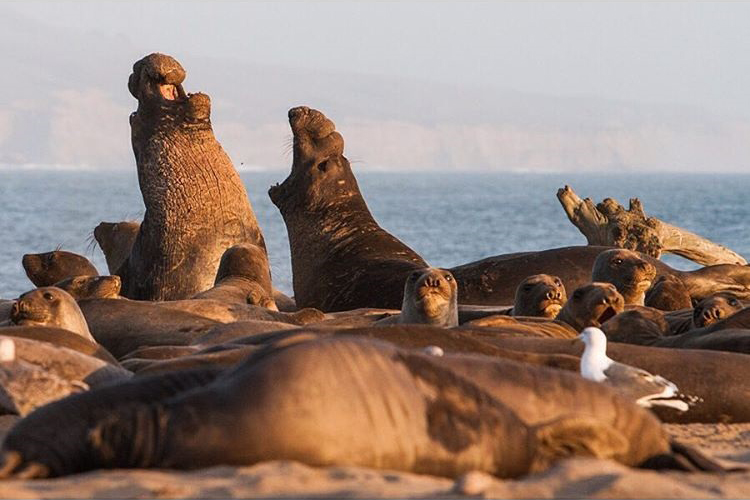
<point>46,269</point>
<point>540,295</point>
<point>341,258</point>
<point>430,297</point>
<point>50,306</point>
<point>196,204</point>
<point>625,269</point>
<point>591,305</point>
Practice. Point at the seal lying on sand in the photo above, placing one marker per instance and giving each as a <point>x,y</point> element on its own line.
<point>430,297</point>
<point>356,402</point>
<point>244,277</point>
<point>341,258</point>
<point>591,305</point>
<point>539,295</point>
<point>625,269</point>
<point>91,287</point>
<point>50,306</point>
<point>196,204</point>
<point>46,269</point>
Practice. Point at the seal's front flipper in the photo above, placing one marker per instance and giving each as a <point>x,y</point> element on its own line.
<point>687,458</point>
<point>575,436</point>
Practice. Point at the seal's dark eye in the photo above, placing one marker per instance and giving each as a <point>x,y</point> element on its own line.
<point>323,166</point>
<point>617,262</point>
<point>578,294</point>
<point>414,276</point>
<point>448,278</point>
<point>733,302</point>
<point>527,288</point>
<point>558,282</point>
<point>48,296</point>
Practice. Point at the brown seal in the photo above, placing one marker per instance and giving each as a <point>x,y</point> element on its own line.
<point>341,258</point>
<point>591,305</point>
<point>430,297</point>
<point>631,274</point>
<point>46,269</point>
<point>196,204</point>
<point>357,402</point>
<point>668,293</point>
<point>116,239</point>
<point>50,306</point>
<point>491,281</point>
<point>91,287</point>
<point>539,295</point>
<point>714,308</point>
<point>244,277</point>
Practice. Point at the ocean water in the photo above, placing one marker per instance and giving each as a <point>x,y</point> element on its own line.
<point>450,218</point>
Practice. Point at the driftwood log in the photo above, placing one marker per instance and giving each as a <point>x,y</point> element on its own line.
<point>609,224</point>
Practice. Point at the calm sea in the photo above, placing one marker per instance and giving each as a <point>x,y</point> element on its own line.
<point>449,218</point>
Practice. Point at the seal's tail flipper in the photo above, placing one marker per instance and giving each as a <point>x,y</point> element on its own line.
<point>12,466</point>
<point>687,458</point>
<point>575,436</point>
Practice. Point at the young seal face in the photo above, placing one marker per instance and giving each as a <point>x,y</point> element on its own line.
<point>540,295</point>
<point>116,239</point>
<point>91,287</point>
<point>591,305</point>
<point>50,306</point>
<point>431,297</point>
<point>631,274</point>
<point>45,269</point>
<point>668,293</point>
<point>711,309</point>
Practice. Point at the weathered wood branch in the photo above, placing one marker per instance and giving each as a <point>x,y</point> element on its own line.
<point>609,224</point>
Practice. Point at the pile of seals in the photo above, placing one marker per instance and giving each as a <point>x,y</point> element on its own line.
<point>185,356</point>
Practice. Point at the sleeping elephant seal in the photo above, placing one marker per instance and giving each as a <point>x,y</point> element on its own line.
<point>625,269</point>
<point>668,293</point>
<point>116,239</point>
<point>244,277</point>
<point>341,258</point>
<point>430,297</point>
<point>539,295</point>
<point>91,287</point>
<point>50,306</point>
<point>46,269</point>
<point>356,402</point>
<point>591,305</point>
<point>196,204</point>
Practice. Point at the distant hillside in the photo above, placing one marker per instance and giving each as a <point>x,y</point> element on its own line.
<point>64,101</point>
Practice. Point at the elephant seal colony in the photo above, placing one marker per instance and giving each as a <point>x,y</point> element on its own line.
<point>187,357</point>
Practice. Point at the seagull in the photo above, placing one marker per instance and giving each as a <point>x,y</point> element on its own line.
<point>646,389</point>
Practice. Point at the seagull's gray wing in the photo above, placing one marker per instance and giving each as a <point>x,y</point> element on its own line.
<point>645,389</point>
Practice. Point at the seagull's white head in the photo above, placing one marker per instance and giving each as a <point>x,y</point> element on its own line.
<point>594,359</point>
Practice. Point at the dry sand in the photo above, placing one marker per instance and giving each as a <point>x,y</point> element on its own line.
<point>570,478</point>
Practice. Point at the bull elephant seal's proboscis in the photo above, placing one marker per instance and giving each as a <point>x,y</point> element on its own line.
<point>356,402</point>
<point>341,258</point>
<point>196,204</point>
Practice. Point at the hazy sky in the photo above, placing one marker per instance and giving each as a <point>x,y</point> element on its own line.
<point>695,54</point>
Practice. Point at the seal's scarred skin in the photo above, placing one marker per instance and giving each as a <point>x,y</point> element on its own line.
<point>196,204</point>
<point>341,258</point>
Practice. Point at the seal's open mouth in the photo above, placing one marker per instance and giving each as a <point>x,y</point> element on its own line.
<point>552,309</point>
<point>608,313</point>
